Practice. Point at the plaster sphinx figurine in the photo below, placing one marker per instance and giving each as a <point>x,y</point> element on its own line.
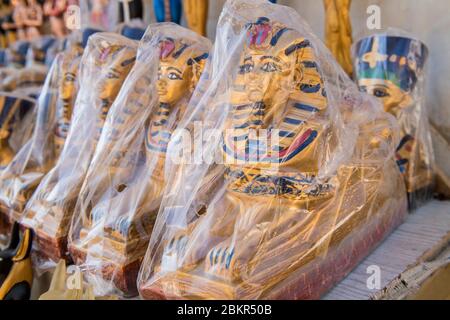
<point>391,68</point>
<point>196,12</point>
<point>19,180</point>
<point>55,10</point>
<point>307,186</point>
<point>106,62</point>
<point>119,200</point>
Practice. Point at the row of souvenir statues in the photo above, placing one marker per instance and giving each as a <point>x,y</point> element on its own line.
<point>299,175</point>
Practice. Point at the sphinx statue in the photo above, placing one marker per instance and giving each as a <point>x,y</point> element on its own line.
<point>306,186</point>
<point>120,198</point>
<point>391,68</point>
<point>106,62</point>
<point>19,180</point>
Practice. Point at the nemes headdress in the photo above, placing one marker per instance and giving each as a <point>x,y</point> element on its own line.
<point>396,59</point>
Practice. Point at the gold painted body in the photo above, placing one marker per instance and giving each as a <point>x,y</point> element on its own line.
<point>105,66</point>
<point>266,226</point>
<point>338,31</point>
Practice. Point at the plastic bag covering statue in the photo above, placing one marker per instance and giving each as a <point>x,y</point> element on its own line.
<point>120,197</point>
<point>15,113</point>
<point>304,184</point>
<point>19,180</point>
<point>12,111</point>
<point>391,68</point>
<point>105,64</point>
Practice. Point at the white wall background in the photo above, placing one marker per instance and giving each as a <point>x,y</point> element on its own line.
<point>429,20</point>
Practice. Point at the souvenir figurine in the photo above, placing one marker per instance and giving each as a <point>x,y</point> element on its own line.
<point>105,64</point>
<point>307,186</point>
<point>34,20</point>
<point>19,180</point>
<point>167,10</point>
<point>16,274</point>
<point>338,31</point>
<point>196,12</point>
<point>391,68</point>
<point>55,10</point>
<point>120,198</point>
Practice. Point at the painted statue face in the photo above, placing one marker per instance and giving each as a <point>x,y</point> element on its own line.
<point>388,68</point>
<point>174,79</point>
<point>67,89</point>
<point>390,94</point>
<point>260,77</point>
<point>116,63</point>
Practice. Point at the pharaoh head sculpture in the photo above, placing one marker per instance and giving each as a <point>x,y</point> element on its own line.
<point>180,66</point>
<point>178,71</point>
<point>388,67</point>
<point>277,86</point>
<point>66,94</point>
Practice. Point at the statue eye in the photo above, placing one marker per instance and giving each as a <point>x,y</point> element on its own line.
<point>269,67</point>
<point>380,93</point>
<point>111,76</point>
<point>173,76</point>
<point>245,68</point>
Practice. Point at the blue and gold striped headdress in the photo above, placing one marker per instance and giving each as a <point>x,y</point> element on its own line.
<point>393,58</point>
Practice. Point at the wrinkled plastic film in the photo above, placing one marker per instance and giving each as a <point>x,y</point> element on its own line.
<point>306,183</point>
<point>105,63</point>
<point>39,154</point>
<point>120,197</point>
<point>392,67</point>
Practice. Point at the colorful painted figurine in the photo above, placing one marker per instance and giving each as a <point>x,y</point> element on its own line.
<point>168,10</point>
<point>338,31</point>
<point>55,10</point>
<point>105,64</point>
<point>293,208</point>
<point>196,12</point>
<point>391,68</point>
<point>118,204</point>
<point>19,180</point>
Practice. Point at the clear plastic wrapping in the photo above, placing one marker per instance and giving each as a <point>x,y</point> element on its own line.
<point>391,67</point>
<point>19,180</point>
<point>120,197</point>
<point>303,182</point>
<point>105,64</point>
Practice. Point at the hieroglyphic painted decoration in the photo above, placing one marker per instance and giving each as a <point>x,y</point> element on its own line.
<point>338,31</point>
<point>389,67</point>
<point>196,12</point>
<point>168,10</point>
